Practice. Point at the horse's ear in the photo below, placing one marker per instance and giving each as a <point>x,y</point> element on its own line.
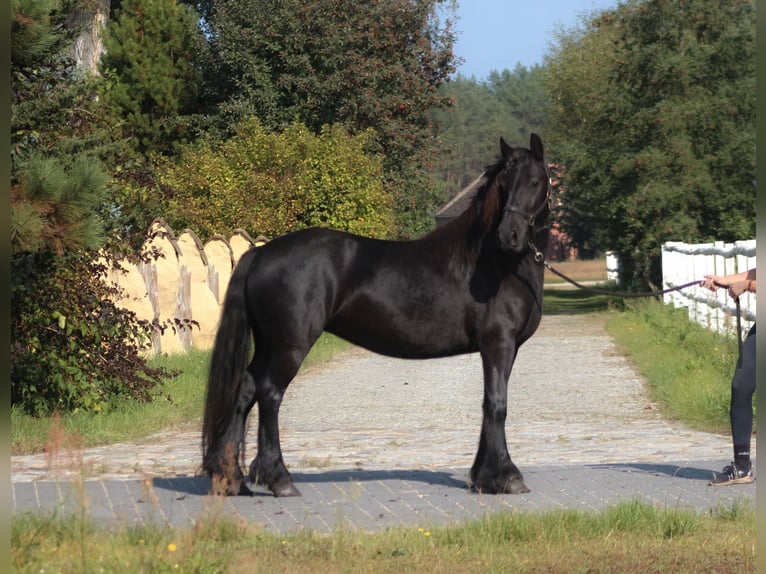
<point>536,145</point>
<point>505,150</point>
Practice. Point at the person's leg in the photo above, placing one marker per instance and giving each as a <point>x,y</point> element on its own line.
<point>741,410</point>
<point>741,416</point>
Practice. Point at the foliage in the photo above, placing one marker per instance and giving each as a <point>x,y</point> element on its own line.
<point>33,37</point>
<point>653,115</point>
<point>53,111</point>
<point>56,119</point>
<point>271,183</point>
<point>362,65</point>
<point>72,347</point>
<point>151,70</point>
<point>55,208</point>
<point>507,104</point>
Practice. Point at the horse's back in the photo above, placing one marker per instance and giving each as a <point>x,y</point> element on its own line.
<point>382,295</point>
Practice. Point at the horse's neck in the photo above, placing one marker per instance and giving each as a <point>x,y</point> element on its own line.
<point>460,241</point>
<point>526,265</point>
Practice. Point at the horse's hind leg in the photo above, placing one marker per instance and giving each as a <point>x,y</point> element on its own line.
<point>228,477</point>
<point>272,376</point>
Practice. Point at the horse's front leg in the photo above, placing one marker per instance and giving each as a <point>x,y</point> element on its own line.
<point>493,470</point>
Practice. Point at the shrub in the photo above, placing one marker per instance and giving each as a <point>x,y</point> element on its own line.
<point>272,183</point>
<point>72,347</point>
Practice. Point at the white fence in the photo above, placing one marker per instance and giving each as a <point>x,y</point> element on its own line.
<point>612,266</point>
<point>684,262</point>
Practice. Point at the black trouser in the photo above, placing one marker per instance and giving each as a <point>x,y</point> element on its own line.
<point>742,389</point>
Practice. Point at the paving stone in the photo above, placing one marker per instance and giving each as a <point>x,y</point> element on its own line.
<point>374,443</point>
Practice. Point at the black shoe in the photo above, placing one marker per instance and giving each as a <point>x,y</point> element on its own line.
<point>733,475</point>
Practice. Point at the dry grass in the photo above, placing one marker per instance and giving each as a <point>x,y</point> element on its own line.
<point>579,270</point>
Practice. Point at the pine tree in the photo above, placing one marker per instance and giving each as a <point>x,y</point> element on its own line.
<point>71,346</point>
<point>150,53</point>
<point>54,201</point>
<point>55,208</point>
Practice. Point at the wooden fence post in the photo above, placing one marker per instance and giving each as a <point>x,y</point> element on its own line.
<point>149,273</point>
<point>183,314</point>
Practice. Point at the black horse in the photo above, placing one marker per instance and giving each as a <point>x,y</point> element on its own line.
<point>473,285</point>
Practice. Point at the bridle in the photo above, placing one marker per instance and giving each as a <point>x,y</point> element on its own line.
<point>532,216</point>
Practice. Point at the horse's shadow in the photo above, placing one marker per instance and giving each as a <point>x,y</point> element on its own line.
<point>202,485</point>
<point>672,470</point>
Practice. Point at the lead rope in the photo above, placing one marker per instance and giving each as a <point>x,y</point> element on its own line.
<point>540,258</point>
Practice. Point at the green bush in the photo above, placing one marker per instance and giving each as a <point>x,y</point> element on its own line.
<point>273,183</point>
<point>72,348</point>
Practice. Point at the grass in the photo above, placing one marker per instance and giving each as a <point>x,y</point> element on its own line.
<point>629,537</point>
<point>575,301</point>
<point>688,368</point>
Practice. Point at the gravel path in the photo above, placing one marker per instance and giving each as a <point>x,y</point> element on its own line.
<point>572,399</point>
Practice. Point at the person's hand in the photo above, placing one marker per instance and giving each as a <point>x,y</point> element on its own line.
<point>736,289</point>
<point>711,282</point>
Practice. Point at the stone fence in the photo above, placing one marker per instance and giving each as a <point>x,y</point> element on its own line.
<point>180,284</point>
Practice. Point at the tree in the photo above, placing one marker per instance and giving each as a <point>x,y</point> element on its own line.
<point>508,104</point>
<point>88,18</point>
<point>361,65</point>
<point>653,117</point>
<point>55,209</point>
<point>150,62</point>
<point>522,95</point>
<point>71,346</point>
<point>54,200</point>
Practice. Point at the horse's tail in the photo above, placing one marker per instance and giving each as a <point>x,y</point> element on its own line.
<point>228,363</point>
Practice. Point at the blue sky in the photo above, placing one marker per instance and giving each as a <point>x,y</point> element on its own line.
<point>498,34</point>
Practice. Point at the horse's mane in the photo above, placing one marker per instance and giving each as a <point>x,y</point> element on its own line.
<point>484,207</point>
<point>464,233</point>
<point>487,202</point>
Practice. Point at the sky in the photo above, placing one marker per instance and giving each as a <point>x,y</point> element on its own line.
<point>498,34</point>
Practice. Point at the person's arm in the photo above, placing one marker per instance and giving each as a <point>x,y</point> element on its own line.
<point>737,283</point>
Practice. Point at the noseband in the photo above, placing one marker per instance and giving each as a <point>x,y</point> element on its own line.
<point>531,217</point>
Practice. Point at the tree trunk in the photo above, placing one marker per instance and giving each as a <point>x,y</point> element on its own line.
<point>89,18</point>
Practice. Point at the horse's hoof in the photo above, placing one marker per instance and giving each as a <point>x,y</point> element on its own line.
<point>222,486</point>
<point>511,485</point>
<point>516,485</point>
<point>244,490</point>
<point>286,489</point>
